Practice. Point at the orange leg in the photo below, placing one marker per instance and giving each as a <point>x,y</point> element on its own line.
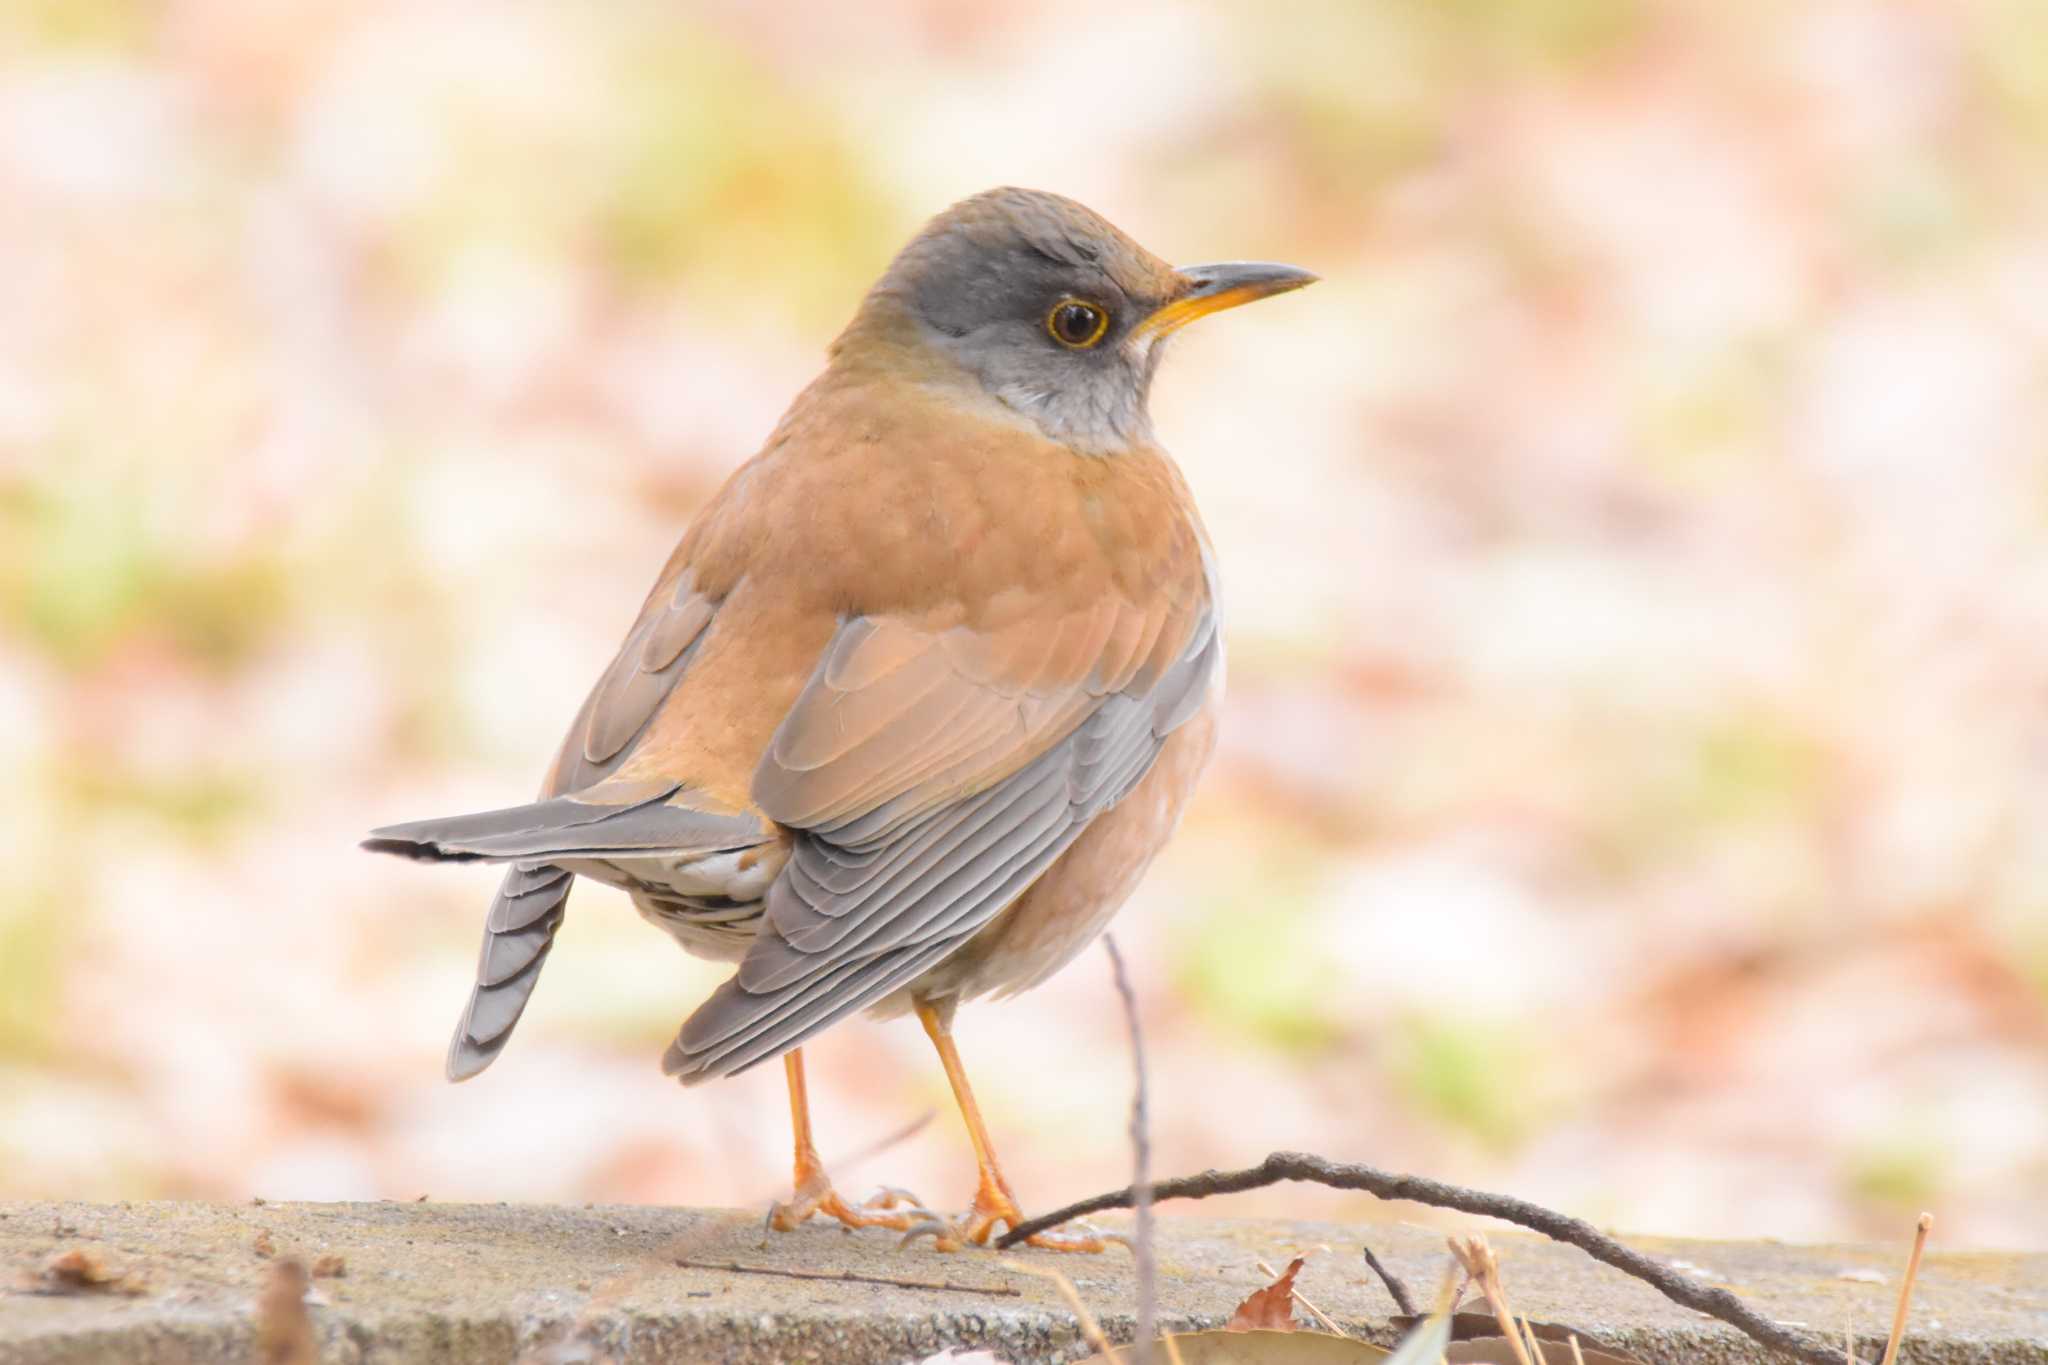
<point>814,1193</point>
<point>993,1201</point>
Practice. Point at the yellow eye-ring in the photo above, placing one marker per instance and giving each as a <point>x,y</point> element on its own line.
<point>1075,324</point>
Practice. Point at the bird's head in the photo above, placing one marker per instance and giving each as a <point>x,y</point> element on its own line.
<point>1047,308</point>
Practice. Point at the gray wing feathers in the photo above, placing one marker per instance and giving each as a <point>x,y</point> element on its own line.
<point>626,699</point>
<point>865,909</point>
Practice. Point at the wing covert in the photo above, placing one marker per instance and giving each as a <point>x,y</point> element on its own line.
<point>933,776</point>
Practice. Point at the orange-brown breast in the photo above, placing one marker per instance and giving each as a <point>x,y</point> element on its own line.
<point>878,496</point>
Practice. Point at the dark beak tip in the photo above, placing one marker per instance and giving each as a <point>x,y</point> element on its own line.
<point>1260,277</point>
<point>1225,284</point>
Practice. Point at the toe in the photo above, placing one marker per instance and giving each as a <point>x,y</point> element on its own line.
<point>891,1196</point>
<point>945,1235</point>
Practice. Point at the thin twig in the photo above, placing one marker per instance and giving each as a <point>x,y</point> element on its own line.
<point>1141,1160</point>
<point>1482,1265</point>
<point>850,1277</point>
<point>1283,1166</point>
<point>1318,1314</point>
<point>1891,1344</point>
<point>1091,1330</point>
<point>1579,1357</point>
<point>1393,1284</point>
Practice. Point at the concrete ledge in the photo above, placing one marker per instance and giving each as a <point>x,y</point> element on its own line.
<point>454,1284</point>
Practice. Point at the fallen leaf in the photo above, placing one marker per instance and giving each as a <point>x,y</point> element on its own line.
<point>262,1245</point>
<point>1270,1309</point>
<point>1474,1322</point>
<point>329,1267</point>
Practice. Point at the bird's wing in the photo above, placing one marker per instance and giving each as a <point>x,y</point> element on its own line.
<point>933,774</point>
<point>645,671</point>
<point>581,813</point>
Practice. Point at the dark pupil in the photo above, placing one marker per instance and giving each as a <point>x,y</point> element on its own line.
<point>1076,323</point>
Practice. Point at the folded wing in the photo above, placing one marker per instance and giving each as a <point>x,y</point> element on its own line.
<point>933,774</point>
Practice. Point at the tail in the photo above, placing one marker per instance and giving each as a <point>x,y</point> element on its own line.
<point>517,936</point>
<point>520,929</point>
<point>592,823</point>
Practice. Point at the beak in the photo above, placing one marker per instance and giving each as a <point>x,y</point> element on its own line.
<point>1212,288</point>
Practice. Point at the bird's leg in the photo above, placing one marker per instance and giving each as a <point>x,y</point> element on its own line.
<point>993,1201</point>
<point>814,1193</point>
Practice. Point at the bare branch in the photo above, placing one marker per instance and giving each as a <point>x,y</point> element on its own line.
<point>1393,1283</point>
<point>1141,1160</point>
<point>844,1276</point>
<point>1284,1166</point>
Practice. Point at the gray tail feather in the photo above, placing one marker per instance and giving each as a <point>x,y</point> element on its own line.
<point>528,908</point>
<point>567,827</point>
<point>517,935</point>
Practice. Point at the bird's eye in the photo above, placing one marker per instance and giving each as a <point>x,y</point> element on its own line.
<point>1075,324</point>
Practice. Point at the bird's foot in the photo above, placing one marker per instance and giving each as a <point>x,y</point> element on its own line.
<point>993,1208</point>
<point>887,1207</point>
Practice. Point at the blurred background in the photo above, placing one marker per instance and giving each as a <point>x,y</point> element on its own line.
<point>1636,760</point>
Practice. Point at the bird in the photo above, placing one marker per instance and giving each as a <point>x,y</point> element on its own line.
<point>920,693</point>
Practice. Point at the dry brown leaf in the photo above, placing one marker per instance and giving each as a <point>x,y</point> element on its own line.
<point>1270,1309</point>
<point>329,1267</point>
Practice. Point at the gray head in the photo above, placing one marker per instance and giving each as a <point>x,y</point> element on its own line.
<point>1053,311</point>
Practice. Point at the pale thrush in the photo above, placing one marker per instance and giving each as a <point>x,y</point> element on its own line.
<point>922,691</point>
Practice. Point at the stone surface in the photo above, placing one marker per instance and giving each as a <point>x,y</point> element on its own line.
<point>453,1284</point>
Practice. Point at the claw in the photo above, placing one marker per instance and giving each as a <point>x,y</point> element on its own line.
<point>944,1234</point>
<point>814,1193</point>
<point>993,1205</point>
<point>979,1224</point>
<point>1080,1237</point>
<point>878,1211</point>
